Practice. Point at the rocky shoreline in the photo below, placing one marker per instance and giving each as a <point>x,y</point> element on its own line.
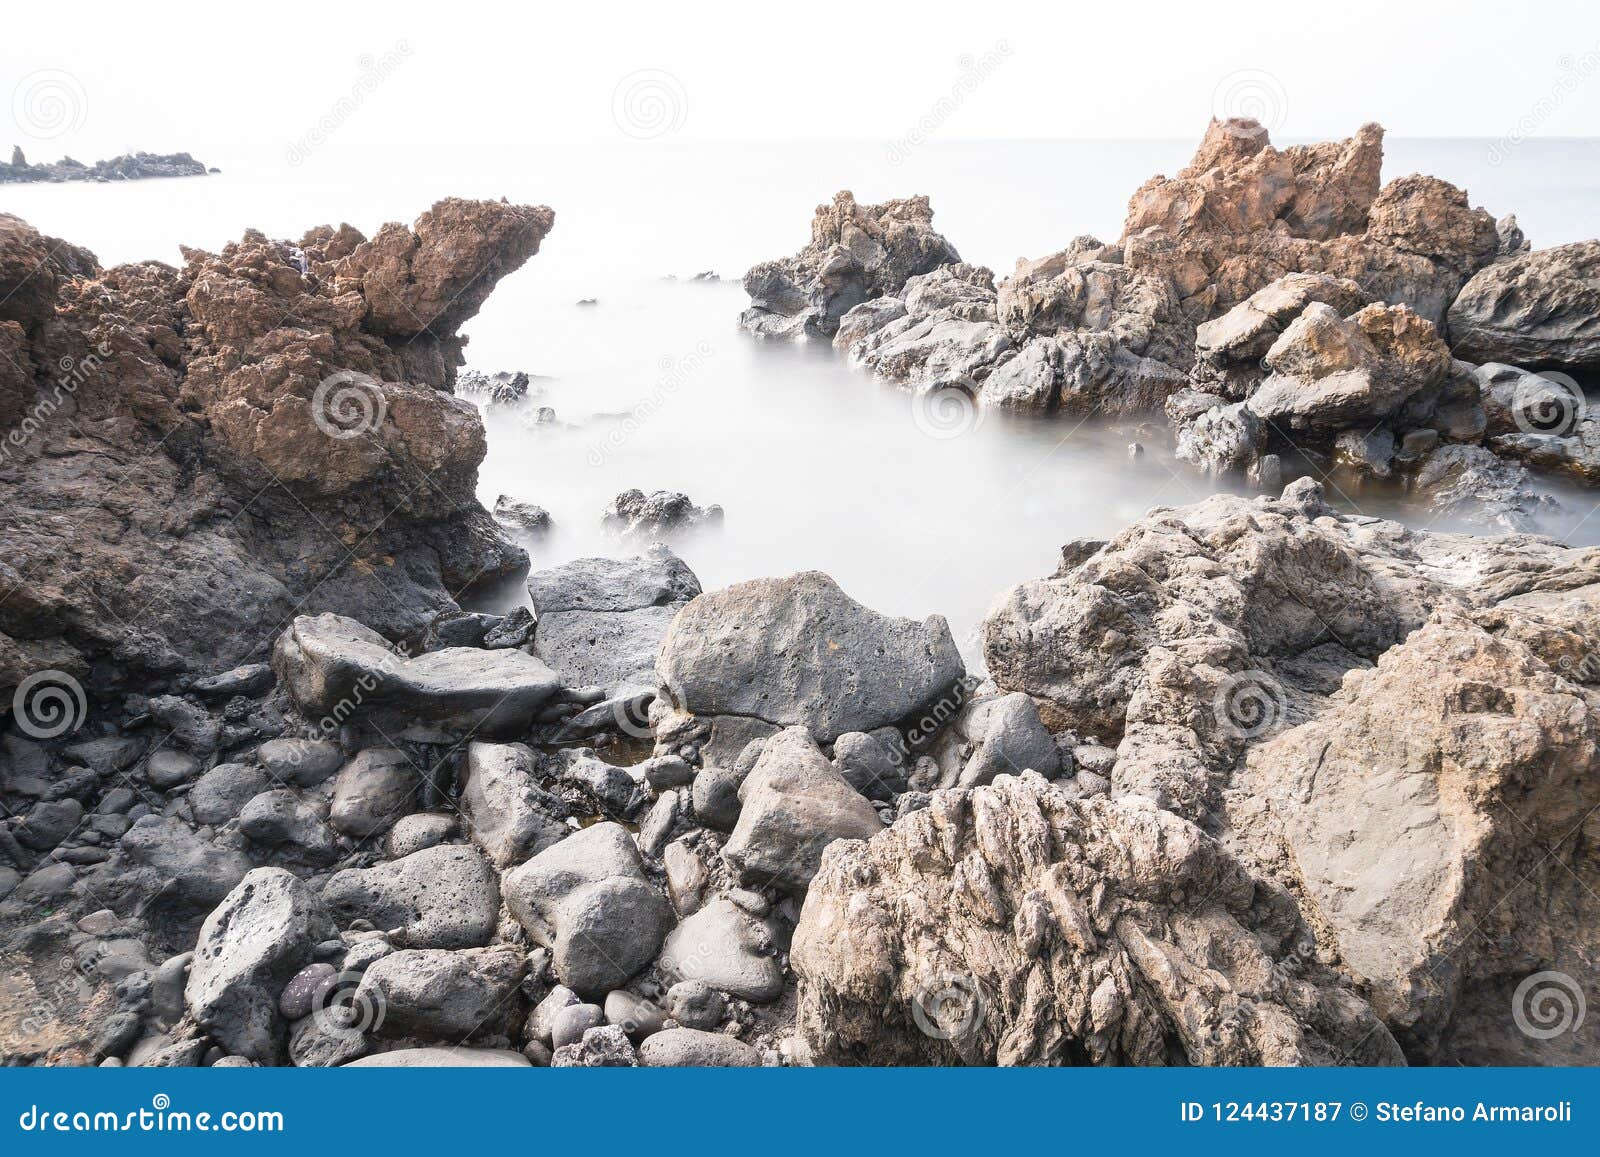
<point>128,167</point>
<point>1253,782</point>
<point>1270,303</point>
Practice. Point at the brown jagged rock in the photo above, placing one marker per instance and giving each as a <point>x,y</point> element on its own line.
<point>1013,924</point>
<point>1331,373</point>
<point>1111,329</point>
<point>1238,183</point>
<point>191,456</point>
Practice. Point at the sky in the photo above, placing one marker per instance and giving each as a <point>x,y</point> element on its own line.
<point>442,80</point>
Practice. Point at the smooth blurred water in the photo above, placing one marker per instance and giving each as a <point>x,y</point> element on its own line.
<point>816,466</point>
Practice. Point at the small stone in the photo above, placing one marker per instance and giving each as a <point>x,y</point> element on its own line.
<point>687,1047</point>
<point>118,1034</point>
<point>221,793</point>
<point>573,1021</point>
<point>306,762</point>
<point>48,824</point>
<point>167,769</point>
<point>251,679</point>
<point>1094,757</point>
<point>716,797</point>
<point>166,987</point>
<point>666,771</point>
<point>687,877</point>
<point>635,1015</point>
<point>604,1047</point>
<point>1091,784</point>
<point>299,994</point>
<point>51,882</point>
<point>656,827</point>
<point>542,1020</point>
<point>374,790</point>
<point>514,630</point>
<point>695,1004</point>
<point>418,831</point>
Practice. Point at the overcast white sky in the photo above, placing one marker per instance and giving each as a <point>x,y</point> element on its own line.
<point>228,79</point>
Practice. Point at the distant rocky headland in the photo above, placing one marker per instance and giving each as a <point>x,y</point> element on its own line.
<point>128,167</point>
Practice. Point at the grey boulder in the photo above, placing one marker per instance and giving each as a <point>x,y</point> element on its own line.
<point>1536,309</point>
<point>250,946</point>
<point>220,793</point>
<point>306,762</point>
<point>443,1057</point>
<point>688,1047</point>
<point>373,790</point>
<point>798,651</point>
<point>508,814</point>
<point>601,620</point>
<point>432,993</point>
<point>725,947</point>
<point>793,805</point>
<point>588,900</point>
<point>336,668</point>
<point>440,897</point>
